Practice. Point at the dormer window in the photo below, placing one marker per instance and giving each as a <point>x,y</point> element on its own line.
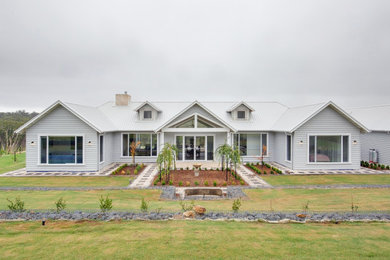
<point>241,114</point>
<point>147,114</point>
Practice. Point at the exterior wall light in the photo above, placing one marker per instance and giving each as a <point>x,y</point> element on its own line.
<point>301,142</point>
<point>32,143</point>
<point>89,142</point>
<point>354,142</point>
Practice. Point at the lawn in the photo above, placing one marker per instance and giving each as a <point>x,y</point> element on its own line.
<point>326,179</point>
<point>56,181</point>
<point>257,200</point>
<point>7,162</point>
<point>192,240</point>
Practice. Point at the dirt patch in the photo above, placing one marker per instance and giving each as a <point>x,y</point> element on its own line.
<point>126,169</point>
<point>206,178</point>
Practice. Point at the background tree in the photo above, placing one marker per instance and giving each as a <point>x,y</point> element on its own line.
<point>133,149</point>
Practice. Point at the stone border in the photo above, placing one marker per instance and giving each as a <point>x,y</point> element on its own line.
<point>270,217</point>
<point>232,192</point>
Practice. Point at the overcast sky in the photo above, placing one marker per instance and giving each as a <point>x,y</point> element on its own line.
<point>295,52</point>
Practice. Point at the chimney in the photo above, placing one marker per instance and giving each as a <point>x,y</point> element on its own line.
<point>122,99</point>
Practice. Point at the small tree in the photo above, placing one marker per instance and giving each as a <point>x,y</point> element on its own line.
<point>18,205</point>
<point>105,203</point>
<point>144,205</point>
<point>165,159</point>
<point>133,149</point>
<point>60,205</point>
<point>263,152</point>
<point>236,205</point>
<point>235,158</point>
<point>224,152</point>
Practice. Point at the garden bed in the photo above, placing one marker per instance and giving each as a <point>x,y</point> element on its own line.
<point>206,178</point>
<point>374,166</point>
<point>129,169</point>
<point>265,169</point>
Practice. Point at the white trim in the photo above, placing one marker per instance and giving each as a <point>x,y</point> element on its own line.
<point>195,135</point>
<point>261,143</point>
<point>291,143</point>
<point>341,152</point>
<point>51,108</point>
<point>47,150</point>
<point>147,103</point>
<point>128,143</point>
<point>169,128</point>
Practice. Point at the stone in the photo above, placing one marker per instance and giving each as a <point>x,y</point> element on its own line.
<point>301,215</point>
<point>189,214</point>
<point>199,210</point>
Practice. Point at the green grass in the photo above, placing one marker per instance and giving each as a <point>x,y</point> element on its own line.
<point>7,162</point>
<point>326,179</point>
<point>279,200</point>
<point>56,181</point>
<point>192,240</point>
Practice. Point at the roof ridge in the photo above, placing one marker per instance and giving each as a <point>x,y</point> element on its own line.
<point>372,106</point>
<point>309,105</point>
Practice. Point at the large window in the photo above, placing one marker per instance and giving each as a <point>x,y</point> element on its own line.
<point>288,147</point>
<point>251,144</point>
<point>147,146</point>
<point>61,149</point>
<point>329,148</point>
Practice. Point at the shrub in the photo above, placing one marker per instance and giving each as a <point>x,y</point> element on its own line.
<point>387,167</point>
<point>188,168</point>
<point>272,172</point>
<point>382,167</point>
<point>105,203</point>
<point>144,205</point>
<point>171,183</point>
<point>187,206</point>
<point>196,183</point>
<point>60,205</point>
<point>163,183</point>
<point>180,183</point>
<point>135,171</point>
<point>242,182</point>
<point>188,184</point>
<point>265,172</point>
<point>18,205</point>
<point>206,183</point>
<point>224,184</point>
<point>215,184</point>
<point>236,205</point>
<point>182,168</point>
<point>217,169</point>
<point>155,182</point>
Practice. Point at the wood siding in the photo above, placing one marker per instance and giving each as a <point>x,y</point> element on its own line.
<point>379,141</point>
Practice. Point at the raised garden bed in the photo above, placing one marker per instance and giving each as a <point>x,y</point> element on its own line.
<point>374,166</point>
<point>265,169</point>
<point>129,169</point>
<point>206,178</point>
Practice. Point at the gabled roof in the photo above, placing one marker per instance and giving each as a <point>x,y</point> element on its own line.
<point>374,117</point>
<point>67,107</point>
<point>239,104</point>
<point>188,107</point>
<point>147,103</point>
<point>295,117</point>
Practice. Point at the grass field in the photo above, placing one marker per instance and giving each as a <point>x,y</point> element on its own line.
<point>193,240</point>
<point>65,181</point>
<point>278,200</point>
<point>326,179</point>
<point>7,162</point>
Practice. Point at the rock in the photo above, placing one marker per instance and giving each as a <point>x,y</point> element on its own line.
<point>189,214</point>
<point>301,215</point>
<point>199,210</point>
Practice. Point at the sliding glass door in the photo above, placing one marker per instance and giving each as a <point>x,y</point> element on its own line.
<point>199,148</point>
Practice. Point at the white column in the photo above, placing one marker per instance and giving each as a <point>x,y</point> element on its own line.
<point>228,138</point>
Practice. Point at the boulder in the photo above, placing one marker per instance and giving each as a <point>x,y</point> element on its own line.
<point>189,214</point>
<point>301,215</point>
<point>199,210</point>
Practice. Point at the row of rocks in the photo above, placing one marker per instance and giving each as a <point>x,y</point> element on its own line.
<point>272,217</point>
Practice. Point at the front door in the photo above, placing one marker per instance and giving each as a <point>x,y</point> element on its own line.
<point>199,148</point>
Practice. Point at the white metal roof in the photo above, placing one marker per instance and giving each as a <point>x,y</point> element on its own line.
<point>266,116</point>
<point>376,118</point>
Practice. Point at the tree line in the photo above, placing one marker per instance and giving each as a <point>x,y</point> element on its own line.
<point>9,122</point>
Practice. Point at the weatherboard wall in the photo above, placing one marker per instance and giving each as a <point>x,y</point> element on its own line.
<point>380,141</point>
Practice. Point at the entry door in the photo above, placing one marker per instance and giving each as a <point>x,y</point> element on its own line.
<point>189,142</point>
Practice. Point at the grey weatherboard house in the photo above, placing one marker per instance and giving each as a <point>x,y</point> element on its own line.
<point>70,137</point>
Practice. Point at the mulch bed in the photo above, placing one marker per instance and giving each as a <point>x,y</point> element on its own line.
<point>262,168</point>
<point>187,178</point>
<point>128,170</point>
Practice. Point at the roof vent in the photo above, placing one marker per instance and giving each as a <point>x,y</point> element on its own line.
<point>122,99</point>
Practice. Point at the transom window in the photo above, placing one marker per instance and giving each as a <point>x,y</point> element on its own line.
<point>61,149</point>
<point>329,148</point>
<point>147,147</point>
<point>241,114</point>
<point>251,144</point>
<point>196,122</point>
<point>147,114</point>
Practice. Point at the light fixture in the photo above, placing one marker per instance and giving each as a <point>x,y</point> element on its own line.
<point>301,142</point>
<point>32,143</point>
<point>354,142</point>
<point>89,142</point>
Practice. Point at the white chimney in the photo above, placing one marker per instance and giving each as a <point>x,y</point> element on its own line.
<point>122,99</point>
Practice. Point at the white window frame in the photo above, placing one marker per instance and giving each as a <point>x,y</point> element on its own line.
<point>291,148</point>
<point>146,118</point>
<point>195,135</point>
<point>47,150</point>
<point>128,139</point>
<point>241,118</point>
<point>104,146</point>
<point>341,152</point>
<point>261,142</point>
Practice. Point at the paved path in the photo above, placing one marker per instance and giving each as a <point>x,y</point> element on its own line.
<point>23,173</point>
<point>146,177</point>
<point>362,171</point>
<point>251,178</point>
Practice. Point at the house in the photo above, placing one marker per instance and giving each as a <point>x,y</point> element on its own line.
<point>70,137</point>
<point>376,119</point>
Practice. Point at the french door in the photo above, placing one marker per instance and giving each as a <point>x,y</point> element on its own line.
<point>195,147</point>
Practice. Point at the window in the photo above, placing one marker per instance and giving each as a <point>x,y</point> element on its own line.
<point>288,148</point>
<point>329,148</point>
<point>147,146</point>
<point>101,148</point>
<point>61,149</point>
<point>210,148</point>
<point>241,114</point>
<point>251,144</point>
<point>196,122</point>
<point>147,114</point>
